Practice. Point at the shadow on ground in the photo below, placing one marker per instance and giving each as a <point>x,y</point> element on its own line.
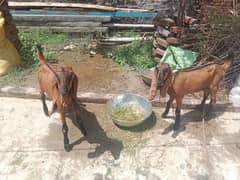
<point>96,135</point>
<point>195,115</point>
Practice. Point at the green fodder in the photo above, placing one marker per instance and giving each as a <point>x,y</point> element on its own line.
<point>128,113</point>
<point>138,55</point>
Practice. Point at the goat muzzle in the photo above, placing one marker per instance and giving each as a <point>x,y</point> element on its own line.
<point>64,90</point>
<point>167,83</point>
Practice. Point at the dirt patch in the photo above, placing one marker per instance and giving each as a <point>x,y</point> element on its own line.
<point>101,74</point>
<point>96,74</point>
<point>26,78</point>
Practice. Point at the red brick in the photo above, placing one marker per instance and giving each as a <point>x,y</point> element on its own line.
<point>157,52</point>
<point>176,29</point>
<point>172,40</point>
<point>162,42</point>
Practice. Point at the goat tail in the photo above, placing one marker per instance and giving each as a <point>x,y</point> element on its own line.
<point>43,61</point>
<point>40,55</point>
<point>153,89</point>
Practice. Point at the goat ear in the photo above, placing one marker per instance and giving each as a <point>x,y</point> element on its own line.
<point>164,89</point>
<point>71,81</point>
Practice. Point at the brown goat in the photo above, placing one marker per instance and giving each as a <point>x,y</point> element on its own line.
<point>184,82</point>
<point>60,84</point>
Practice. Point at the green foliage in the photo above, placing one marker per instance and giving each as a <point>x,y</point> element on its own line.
<point>29,40</point>
<point>138,55</point>
<point>45,36</point>
<point>16,70</point>
<point>130,33</point>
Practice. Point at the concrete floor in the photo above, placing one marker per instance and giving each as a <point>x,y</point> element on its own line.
<point>31,146</point>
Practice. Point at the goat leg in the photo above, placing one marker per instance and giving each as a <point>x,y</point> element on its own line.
<point>205,96</point>
<point>54,107</point>
<point>165,113</point>
<point>67,146</point>
<point>178,113</point>
<point>177,120</point>
<point>213,92</point>
<point>45,109</point>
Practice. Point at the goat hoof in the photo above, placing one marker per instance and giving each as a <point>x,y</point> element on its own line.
<point>67,147</point>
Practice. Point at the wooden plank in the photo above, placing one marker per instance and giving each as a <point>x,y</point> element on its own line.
<point>65,29</point>
<point>14,4</point>
<point>61,24</point>
<point>150,26</point>
<point>62,5</point>
<point>64,18</point>
<point>131,9</point>
<point>124,39</point>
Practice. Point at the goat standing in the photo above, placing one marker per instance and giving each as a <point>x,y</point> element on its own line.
<point>184,82</point>
<point>60,84</point>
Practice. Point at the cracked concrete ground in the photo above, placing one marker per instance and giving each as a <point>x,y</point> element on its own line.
<point>31,146</point>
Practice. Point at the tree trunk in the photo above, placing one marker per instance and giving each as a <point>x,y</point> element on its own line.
<point>181,9</point>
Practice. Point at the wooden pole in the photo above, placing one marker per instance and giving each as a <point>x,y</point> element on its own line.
<point>181,9</point>
<point>26,5</point>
